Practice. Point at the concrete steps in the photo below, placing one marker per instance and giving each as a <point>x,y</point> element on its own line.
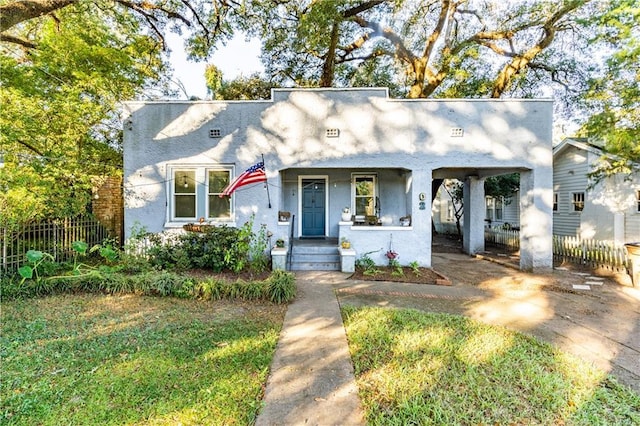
<point>309,257</point>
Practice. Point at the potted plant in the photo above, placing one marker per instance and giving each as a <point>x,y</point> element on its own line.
<point>344,243</point>
<point>280,243</point>
<point>346,214</point>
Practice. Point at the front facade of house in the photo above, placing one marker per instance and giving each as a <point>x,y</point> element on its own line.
<point>326,150</point>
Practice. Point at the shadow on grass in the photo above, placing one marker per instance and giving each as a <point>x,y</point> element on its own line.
<point>93,359</point>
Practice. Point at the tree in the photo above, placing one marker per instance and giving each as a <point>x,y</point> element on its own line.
<point>612,100</point>
<point>253,87</point>
<point>61,85</point>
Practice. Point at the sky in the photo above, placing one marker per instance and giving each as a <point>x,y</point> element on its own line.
<point>236,58</point>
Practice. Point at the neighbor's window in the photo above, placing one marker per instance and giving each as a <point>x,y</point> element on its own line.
<point>578,201</point>
<point>364,189</point>
<point>184,194</point>
<point>638,200</point>
<point>555,201</point>
<point>490,207</point>
<point>499,204</point>
<point>218,208</point>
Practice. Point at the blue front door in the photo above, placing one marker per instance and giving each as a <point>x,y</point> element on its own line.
<point>313,208</point>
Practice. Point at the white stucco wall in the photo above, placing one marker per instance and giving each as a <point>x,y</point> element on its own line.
<point>375,133</point>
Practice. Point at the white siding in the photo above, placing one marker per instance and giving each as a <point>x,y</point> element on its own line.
<point>569,176</point>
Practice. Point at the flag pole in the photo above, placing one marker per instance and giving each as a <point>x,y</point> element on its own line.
<point>266,182</point>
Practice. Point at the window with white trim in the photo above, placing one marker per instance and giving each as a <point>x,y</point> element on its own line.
<point>218,208</point>
<point>364,193</point>
<point>499,208</point>
<point>577,201</point>
<point>489,208</point>
<point>184,194</point>
<point>194,193</point>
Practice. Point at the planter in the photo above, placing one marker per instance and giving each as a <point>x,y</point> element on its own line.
<point>634,262</point>
<point>346,217</point>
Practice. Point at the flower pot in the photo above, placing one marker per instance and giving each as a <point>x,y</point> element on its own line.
<point>346,217</point>
<point>346,245</point>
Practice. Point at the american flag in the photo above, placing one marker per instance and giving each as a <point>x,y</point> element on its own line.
<point>253,174</point>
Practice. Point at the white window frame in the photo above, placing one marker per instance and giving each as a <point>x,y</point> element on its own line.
<point>219,168</point>
<point>172,194</point>
<point>575,201</point>
<point>376,191</point>
<point>499,202</point>
<point>489,208</point>
<point>201,193</point>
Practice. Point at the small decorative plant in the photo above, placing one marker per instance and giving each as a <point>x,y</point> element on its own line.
<point>280,243</point>
<point>345,243</point>
<point>345,210</point>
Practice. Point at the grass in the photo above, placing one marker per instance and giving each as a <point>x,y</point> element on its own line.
<point>419,368</point>
<point>96,359</point>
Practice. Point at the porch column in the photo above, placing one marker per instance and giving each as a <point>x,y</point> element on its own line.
<point>536,233</point>
<point>474,212</point>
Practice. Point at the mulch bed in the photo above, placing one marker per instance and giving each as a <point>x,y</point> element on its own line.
<point>385,273</point>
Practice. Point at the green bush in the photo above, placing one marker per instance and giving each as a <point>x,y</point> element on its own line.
<point>281,286</point>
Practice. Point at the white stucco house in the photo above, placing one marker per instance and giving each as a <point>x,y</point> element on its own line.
<point>327,149</point>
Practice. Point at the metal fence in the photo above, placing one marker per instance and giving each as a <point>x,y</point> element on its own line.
<point>593,253</point>
<point>54,237</point>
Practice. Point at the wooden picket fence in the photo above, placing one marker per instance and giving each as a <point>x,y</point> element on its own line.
<point>592,253</point>
<point>54,237</point>
<point>503,237</point>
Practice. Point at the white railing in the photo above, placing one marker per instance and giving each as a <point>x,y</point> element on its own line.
<point>593,253</point>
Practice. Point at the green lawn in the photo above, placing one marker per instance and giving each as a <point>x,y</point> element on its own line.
<point>95,359</point>
<point>418,368</point>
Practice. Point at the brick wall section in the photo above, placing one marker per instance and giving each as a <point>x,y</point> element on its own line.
<point>108,205</point>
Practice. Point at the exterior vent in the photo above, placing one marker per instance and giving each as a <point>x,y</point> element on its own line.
<point>457,132</point>
<point>333,133</point>
<point>215,133</point>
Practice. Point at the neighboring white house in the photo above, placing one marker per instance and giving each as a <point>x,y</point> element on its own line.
<point>327,149</point>
<point>608,211</point>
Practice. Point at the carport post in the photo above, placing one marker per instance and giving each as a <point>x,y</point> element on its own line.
<point>474,212</point>
<point>536,199</point>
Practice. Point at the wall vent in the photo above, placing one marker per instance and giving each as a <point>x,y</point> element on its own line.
<point>457,132</point>
<point>215,133</point>
<point>333,133</point>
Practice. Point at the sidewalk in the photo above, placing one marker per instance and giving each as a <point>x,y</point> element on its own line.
<point>311,380</point>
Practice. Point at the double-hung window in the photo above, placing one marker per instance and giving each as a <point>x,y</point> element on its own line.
<point>218,208</point>
<point>195,193</point>
<point>184,194</point>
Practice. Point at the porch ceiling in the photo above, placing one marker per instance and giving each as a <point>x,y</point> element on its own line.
<point>461,173</point>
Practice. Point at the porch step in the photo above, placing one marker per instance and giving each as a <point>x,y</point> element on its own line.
<point>315,258</point>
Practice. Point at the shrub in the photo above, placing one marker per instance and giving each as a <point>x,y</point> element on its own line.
<point>281,286</point>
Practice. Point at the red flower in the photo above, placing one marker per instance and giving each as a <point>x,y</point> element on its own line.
<point>391,255</point>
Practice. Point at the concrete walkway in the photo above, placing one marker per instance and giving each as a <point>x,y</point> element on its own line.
<point>311,380</point>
